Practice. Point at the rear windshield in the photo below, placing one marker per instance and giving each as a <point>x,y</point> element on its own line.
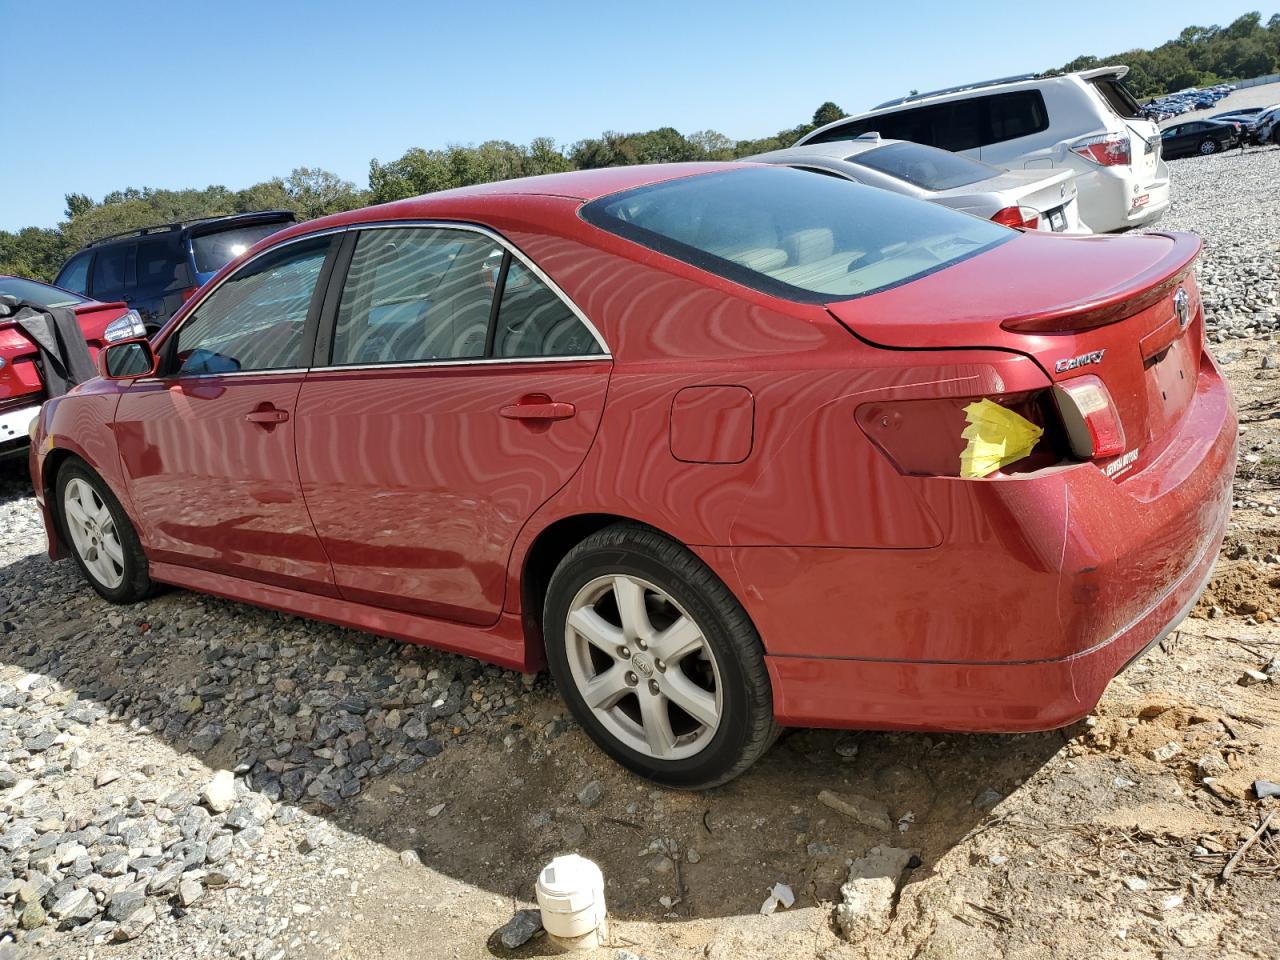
<point>791,234</point>
<point>40,294</point>
<point>1117,96</point>
<point>925,167</point>
<point>215,250</point>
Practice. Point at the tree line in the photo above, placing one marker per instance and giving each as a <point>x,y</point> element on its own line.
<point>1199,56</point>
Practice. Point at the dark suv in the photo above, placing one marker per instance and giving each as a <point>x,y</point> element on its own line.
<point>155,269</point>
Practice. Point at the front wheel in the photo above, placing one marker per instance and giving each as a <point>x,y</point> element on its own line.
<point>657,659</point>
<point>102,540</point>
<point>1208,146</point>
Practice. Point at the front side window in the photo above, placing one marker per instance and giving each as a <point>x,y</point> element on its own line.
<point>417,294</point>
<point>75,274</point>
<point>255,320</point>
<point>924,167</point>
<point>793,235</point>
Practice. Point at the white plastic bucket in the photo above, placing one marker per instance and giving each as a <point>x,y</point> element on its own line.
<point>571,897</point>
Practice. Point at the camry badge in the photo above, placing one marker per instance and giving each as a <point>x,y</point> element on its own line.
<point>1071,363</point>
<point>1182,307</point>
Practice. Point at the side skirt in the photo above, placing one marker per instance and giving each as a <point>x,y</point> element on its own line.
<point>502,644</point>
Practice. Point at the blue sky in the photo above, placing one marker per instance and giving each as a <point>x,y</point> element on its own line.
<point>184,95</point>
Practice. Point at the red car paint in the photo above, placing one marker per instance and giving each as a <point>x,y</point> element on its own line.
<point>20,384</point>
<point>729,420</point>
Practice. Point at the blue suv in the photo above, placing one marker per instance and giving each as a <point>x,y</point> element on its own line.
<point>155,269</point>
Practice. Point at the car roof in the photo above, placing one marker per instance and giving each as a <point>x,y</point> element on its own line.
<point>194,226</point>
<point>837,149</point>
<point>579,185</point>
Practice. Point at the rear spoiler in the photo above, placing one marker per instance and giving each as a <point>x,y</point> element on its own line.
<point>1137,294</point>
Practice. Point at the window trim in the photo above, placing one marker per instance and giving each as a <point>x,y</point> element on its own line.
<point>322,359</point>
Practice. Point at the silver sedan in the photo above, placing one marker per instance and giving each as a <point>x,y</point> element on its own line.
<point>1033,199</point>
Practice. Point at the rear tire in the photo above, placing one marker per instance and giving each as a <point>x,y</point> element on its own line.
<point>100,537</point>
<point>620,602</point>
<point>1208,146</point>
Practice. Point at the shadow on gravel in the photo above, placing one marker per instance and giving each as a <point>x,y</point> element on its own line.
<point>479,772</point>
<point>15,480</point>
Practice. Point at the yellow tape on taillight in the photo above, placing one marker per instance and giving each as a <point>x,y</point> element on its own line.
<point>997,437</point>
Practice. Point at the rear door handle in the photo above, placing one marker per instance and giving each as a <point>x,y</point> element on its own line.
<point>267,415</point>
<point>538,406</point>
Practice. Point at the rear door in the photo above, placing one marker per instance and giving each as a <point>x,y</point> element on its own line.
<point>458,392</point>
<point>157,270</point>
<point>112,276</point>
<point>208,446</point>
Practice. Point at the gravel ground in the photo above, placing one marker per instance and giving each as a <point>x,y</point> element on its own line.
<point>193,777</point>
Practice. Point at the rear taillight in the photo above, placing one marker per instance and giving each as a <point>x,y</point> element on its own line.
<point>927,438</point>
<point>1090,418</point>
<point>1111,150</point>
<point>1018,217</point>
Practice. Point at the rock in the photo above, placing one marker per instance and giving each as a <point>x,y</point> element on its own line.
<point>868,896</point>
<point>106,776</point>
<point>1136,884</point>
<point>114,864</point>
<point>859,809</point>
<point>410,858</point>
<point>517,931</point>
<point>1266,788</point>
<point>1212,764</point>
<point>314,839</point>
<point>33,916</point>
<point>133,927</point>
<point>1167,752</point>
<point>124,904</point>
<point>74,907</point>
<point>590,795</point>
<point>190,890</point>
<point>435,811</point>
<point>220,792</point>
<point>1253,677</point>
<point>847,746</point>
<point>692,855</point>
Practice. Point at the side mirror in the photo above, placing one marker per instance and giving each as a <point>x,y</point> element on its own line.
<point>127,360</point>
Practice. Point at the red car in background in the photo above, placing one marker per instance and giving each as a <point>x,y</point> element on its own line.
<point>21,389</point>
<point>728,446</point>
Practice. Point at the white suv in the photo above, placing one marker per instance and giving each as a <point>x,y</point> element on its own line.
<point>1086,122</point>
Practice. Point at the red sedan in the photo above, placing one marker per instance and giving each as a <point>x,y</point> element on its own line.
<point>730,447</point>
<point>21,386</point>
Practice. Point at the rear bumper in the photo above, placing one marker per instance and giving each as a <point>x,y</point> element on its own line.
<point>14,423</point>
<point>1113,198</point>
<point>981,697</point>
<point>1043,588</point>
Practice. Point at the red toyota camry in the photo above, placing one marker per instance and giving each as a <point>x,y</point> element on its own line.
<point>729,447</point>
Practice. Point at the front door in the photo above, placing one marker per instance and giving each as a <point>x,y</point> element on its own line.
<point>444,420</point>
<point>207,446</point>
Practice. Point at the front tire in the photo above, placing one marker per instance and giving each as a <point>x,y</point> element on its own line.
<point>1207,147</point>
<point>657,659</point>
<point>102,540</point>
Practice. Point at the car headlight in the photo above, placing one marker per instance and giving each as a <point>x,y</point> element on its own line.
<point>128,326</point>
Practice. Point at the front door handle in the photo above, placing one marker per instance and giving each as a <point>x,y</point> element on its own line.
<point>538,406</point>
<point>267,414</point>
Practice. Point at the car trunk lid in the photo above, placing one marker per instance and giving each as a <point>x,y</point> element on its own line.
<point>1079,306</point>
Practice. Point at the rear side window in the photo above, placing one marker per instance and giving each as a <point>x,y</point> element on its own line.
<point>155,263</point>
<point>417,294</point>
<point>110,269</point>
<point>963,124</point>
<point>924,167</point>
<point>793,235</point>
<point>534,322</point>
<point>75,274</point>
<point>213,251</point>
<point>255,320</point>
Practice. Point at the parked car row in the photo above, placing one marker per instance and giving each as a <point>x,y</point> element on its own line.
<point>1184,101</point>
<point>1258,124</point>
<point>1086,123</point>
<point>729,447</point>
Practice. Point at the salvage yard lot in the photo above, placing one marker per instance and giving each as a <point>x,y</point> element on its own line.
<point>1102,840</point>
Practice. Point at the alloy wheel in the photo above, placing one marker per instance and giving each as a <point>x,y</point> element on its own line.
<point>1208,146</point>
<point>643,667</point>
<point>93,533</point>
